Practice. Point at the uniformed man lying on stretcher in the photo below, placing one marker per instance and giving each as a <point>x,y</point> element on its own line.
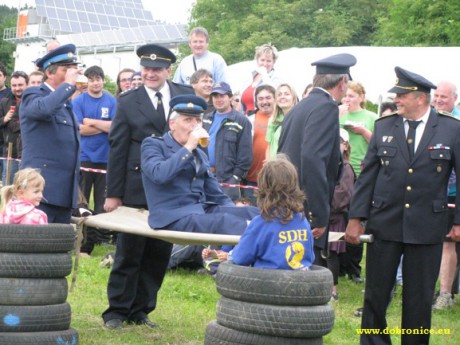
<point>182,193</point>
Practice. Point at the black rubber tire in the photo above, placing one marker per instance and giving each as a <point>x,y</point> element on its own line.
<point>219,335</point>
<point>43,318</point>
<point>277,287</point>
<point>275,320</point>
<point>25,265</point>
<point>23,291</point>
<point>50,238</point>
<point>67,337</point>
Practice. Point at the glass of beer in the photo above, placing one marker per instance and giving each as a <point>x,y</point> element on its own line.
<point>203,141</point>
<point>82,82</point>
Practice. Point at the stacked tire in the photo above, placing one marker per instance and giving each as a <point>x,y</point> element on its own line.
<point>34,261</point>
<point>265,307</point>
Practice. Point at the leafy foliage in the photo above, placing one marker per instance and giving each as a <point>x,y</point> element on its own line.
<point>110,85</point>
<point>420,23</point>
<point>8,17</point>
<point>238,26</point>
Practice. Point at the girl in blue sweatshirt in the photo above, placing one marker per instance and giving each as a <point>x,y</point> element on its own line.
<point>280,238</point>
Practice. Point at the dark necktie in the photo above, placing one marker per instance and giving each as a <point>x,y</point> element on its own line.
<point>411,137</point>
<point>160,108</point>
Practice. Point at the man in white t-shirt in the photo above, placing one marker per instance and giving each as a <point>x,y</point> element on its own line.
<point>201,58</point>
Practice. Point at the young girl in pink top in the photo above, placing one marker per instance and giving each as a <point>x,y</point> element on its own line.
<point>20,199</point>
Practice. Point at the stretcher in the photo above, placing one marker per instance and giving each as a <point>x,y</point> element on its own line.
<point>135,221</point>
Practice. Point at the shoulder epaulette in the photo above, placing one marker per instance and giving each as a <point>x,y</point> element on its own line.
<point>389,115</point>
<point>127,92</point>
<point>156,136</point>
<point>184,86</point>
<point>447,114</point>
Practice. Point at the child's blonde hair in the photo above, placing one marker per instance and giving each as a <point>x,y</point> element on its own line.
<point>23,179</point>
<point>279,194</point>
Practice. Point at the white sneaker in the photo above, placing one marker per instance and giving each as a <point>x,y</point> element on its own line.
<point>443,301</point>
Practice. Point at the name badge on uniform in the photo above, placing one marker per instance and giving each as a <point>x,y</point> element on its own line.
<point>438,147</point>
<point>387,138</point>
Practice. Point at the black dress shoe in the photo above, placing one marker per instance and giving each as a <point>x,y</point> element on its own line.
<point>356,279</point>
<point>114,324</point>
<point>146,322</point>
<point>358,312</point>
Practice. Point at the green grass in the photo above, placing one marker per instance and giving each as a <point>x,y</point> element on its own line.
<point>187,303</point>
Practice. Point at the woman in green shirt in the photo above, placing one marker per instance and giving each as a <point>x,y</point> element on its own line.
<point>358,121</point>
<point>286,98</point>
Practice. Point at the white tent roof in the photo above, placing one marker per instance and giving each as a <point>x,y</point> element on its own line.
<point>375,67</point>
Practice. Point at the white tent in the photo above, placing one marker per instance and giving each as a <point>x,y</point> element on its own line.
<point>375,67</point>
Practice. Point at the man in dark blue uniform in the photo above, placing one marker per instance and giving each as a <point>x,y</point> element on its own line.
<point>182,192</point>
<point>401,192</point>
<point>138,270</point>
<point>50,135</point>
<point>310,137</point>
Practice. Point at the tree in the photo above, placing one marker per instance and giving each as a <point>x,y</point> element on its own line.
<point>8,17</point>
<point>238,26</point>
<point>420,23</point>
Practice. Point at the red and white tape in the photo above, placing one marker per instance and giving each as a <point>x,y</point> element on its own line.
<point>99,171</point>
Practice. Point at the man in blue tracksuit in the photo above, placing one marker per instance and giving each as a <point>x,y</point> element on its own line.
<point>230,140</point>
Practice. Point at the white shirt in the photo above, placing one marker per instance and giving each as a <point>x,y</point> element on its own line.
<point>210,61</point>
<point>166,97</point>
<point>420,128</point>
<point>49,86</point>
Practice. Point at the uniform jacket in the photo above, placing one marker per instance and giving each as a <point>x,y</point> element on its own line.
<point>175,187</point>
<point>403,200</point>
<point>310,137</point>
<point>51,141</point>
<point>135,120</point>
<point>233,145</point>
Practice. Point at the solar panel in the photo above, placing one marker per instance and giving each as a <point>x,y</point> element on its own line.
<point>123,22</point>
<point>65,26</point>
<point>93,15</point>
<point>160,32</point>
<point>75,26</point>
<point>113,22</point>
<point>100,9</point>
<point>82,17</point>
<point>70,5</point>
<point>72,15</point>
<point>131,36</point>
<point>110,10</point>
<point>89,7</point>
<point>80,6</point>
<point>104,20</point>
<point>52,13</point>
<point>128,35</point>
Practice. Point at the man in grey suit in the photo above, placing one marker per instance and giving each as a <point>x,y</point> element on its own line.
<point>139,265</point>
<point>401,192</point>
